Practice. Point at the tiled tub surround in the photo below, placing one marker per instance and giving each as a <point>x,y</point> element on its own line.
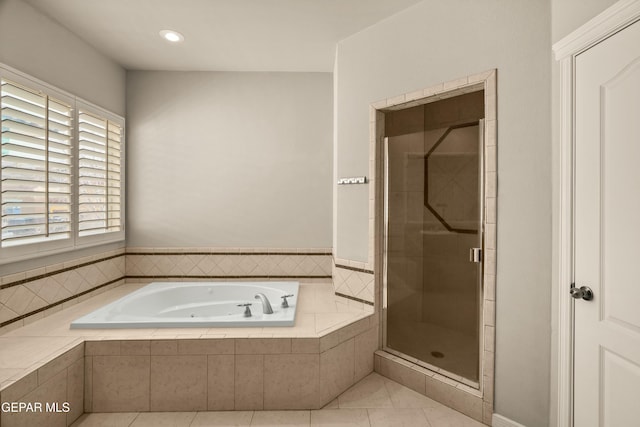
<point>34,294</point>
<point>57,381</point>
<point>303,367</point>
<point>210,263</point>
<point>352,280</point>
<point>31,295</point>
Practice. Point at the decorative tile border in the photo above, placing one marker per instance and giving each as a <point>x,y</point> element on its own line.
<point>486,81</point>
<point>45,310</point>
<point>349,297</point>
<point>206,277</point>
<point>241,263</point>
<point>354,283</point>
<point>32,293</point>
<point>361,270</point>
<point>9,281</point>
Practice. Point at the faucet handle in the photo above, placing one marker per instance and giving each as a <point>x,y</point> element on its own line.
<point>285,303</point>
<point>247,310</point>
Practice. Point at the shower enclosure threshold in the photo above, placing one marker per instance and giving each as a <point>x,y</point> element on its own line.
<point>434,369</point>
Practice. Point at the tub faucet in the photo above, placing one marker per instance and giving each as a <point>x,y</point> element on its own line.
<point>266,305</point>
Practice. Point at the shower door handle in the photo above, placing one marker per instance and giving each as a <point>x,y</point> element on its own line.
<point>475,255</point>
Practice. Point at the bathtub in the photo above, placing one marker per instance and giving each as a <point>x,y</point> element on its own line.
<point>196,305</point>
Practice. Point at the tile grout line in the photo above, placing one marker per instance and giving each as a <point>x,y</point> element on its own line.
<point>149,371</point>
<point>206,393</point>
<point>234,376</point>
<point>134,419</point>
<point>263,382</point>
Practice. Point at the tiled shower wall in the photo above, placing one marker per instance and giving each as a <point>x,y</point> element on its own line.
<point>31,295</point>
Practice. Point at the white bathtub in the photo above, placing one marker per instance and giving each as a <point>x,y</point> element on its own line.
<point>196,305</point>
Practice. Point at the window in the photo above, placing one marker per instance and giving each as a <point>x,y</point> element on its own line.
<point>36,166</point>
<point>62,171</point>
<point>99,174</point>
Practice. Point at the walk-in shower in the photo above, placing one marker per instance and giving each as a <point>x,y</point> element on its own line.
<point>432,250</point>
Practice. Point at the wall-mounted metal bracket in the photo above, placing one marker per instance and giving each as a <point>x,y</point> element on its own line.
<point>353,180</point>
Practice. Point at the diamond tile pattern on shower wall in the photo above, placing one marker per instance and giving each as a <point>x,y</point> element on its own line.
<point>228,264</point>
<point>354,283</point>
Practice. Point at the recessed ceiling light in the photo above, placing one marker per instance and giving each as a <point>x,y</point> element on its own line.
<point>172,36</point>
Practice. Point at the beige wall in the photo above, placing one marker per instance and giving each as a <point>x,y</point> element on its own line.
<point>222,159</point>
<point>439,41</point>
<point>568,15</point>
<point>35,44</point>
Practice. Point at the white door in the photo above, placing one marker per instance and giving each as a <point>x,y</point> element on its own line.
<point>607,232</point>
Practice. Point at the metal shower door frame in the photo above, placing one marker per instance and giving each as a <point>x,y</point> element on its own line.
<point>480,275</point>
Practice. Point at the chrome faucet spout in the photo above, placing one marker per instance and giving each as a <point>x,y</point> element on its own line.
<point>266,305</point>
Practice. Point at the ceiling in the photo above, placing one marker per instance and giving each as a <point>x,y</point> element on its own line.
<point>223,35</point>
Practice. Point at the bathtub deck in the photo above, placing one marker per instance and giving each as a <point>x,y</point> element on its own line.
<point>26,349</point>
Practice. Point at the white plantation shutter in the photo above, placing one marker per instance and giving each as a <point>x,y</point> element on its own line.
<point>100,174</point>
<point>61,170</point>
<point>36,167</point>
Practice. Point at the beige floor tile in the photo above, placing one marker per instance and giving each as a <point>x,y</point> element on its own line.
<point>222,418</point>
<point>281,418</point>
<point>122,419</point>
<point>164,419</point>
<point>403,397</point>
<point>368,393</point>
<point>442,416</point>
<point>340,418</point>
<point>397,418</point>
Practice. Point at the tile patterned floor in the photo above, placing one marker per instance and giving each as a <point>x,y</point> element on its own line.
<point>373,402</point>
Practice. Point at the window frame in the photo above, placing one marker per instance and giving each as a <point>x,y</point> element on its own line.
<point>108,237</point>
<point>36,250</point>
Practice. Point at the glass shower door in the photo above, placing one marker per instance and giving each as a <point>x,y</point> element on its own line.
<point>432,258</point>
